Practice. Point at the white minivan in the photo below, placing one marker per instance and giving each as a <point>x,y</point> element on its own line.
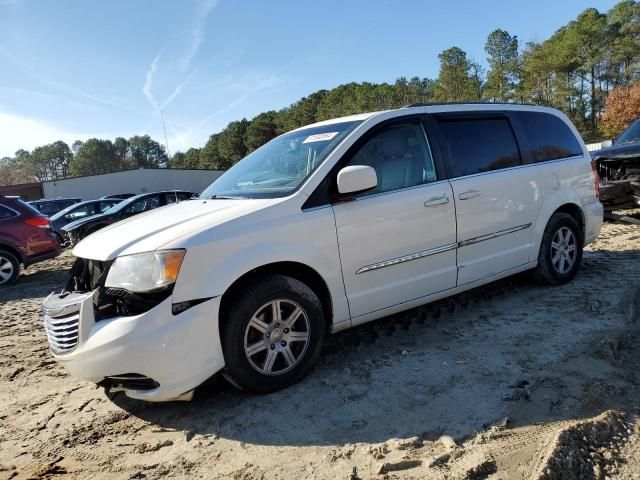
<point>323,228</point>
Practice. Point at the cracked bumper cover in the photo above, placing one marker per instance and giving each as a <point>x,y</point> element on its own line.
<point>178,351</point>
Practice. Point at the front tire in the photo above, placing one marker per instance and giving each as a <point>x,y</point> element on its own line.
<point>560,251</point>
<point>272,334</point>
<point>9,268</point>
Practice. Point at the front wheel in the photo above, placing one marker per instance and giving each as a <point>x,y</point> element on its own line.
<point>560,251</point>
<point>272,334</point>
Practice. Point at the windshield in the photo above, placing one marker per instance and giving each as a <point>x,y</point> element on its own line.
<point>62,213</point>
<point>280,166</point>
<point>630,135</point>
<point>118,206</point>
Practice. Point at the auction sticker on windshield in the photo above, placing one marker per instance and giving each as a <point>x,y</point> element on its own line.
<point>320,137</point>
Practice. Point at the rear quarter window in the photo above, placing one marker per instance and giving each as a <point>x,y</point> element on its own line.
<point>479,145</point>
<point>6,213</point>
<point>549,137</point>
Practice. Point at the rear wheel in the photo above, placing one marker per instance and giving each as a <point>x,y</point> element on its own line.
<point>9,268</point>
<point>560,251</point>
<point>272,334</point>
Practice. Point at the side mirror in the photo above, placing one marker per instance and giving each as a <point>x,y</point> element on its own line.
<point>356,179</point>
<point>606,144</point>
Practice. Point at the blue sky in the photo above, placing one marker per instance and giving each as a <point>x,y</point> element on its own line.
<point>77,68</point>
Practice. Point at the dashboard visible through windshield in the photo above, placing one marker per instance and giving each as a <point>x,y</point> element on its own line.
<point>280,166</point>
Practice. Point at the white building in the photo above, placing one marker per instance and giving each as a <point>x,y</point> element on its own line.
<point>138,181</point>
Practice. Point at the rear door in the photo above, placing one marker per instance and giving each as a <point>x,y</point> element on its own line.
<point>497,197</point>
<point>397,242</point>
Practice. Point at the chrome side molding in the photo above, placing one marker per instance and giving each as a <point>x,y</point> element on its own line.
<point>444,248</point>
<point>407,258</point>
<point>489,236</point>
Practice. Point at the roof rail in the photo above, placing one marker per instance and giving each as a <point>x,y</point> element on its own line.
<point>432,104</point>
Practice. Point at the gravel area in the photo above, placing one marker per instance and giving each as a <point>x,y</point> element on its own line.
<point>510,380</point>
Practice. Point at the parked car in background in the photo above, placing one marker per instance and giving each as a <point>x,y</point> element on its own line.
<point>53,206</point>
<point>75,231</point>
<point>81,210</point>
<point>120,195</point>
<point>26,237</point>
<point>619,169</point>
<point>323,228</point>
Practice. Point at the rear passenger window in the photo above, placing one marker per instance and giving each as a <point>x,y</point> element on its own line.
<point>400,156</point>
<point>5,213</point>
<point>549,137</point>
<point>479,145</point>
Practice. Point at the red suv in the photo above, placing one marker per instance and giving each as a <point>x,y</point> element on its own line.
<point>26,237</point>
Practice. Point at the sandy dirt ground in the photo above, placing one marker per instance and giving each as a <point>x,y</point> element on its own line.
<point>510,380</point>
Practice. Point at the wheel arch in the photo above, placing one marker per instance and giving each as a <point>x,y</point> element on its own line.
<point>567,204</point>
<point>571,209</point>
<point>300,271</point>
<point>12,250</point>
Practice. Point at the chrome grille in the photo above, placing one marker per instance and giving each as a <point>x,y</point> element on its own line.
<point>62,331</point>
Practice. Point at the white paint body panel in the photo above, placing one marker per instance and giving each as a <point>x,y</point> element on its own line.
<point>502,200</point>
<point>390,226</point>
<point>225,239</point>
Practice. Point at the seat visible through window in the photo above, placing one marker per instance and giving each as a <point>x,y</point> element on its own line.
<point>400,157</point>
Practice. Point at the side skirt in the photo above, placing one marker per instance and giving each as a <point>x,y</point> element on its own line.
<point>368,317</point>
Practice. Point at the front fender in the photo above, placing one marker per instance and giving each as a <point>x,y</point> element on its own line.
<point>216,258</point>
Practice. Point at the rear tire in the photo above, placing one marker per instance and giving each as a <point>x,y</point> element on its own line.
<point>272,334</point>
<point>9,268</point>
<point>560,251</point>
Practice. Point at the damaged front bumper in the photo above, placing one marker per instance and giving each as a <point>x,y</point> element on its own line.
<point>156,355</point>
<point>618,173</point>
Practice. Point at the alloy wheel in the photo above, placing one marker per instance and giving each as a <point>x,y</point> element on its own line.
<point>6,269</point>
<point>563,250</point>
<point>277,336</point>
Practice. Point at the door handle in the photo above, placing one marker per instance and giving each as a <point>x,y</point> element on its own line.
<point>469,194</point>
<point>435,201</point>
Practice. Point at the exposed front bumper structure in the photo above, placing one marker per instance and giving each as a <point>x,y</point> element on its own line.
<point>175,352</point>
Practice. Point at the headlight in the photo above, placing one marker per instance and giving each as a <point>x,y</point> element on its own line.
<point>144,272</point>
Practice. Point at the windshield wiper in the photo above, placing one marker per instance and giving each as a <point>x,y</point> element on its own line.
<point>223,197</point>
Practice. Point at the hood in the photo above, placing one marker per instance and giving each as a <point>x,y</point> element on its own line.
<point>82,221</point>
<point>618,151</point>
<point>151,230</point>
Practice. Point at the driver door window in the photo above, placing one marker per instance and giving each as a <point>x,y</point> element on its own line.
<point>400,156</point>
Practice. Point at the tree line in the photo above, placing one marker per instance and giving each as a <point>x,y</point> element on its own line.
<point>94,156</point>
<point>574,70</point>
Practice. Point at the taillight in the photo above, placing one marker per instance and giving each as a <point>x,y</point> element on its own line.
<point>596,178</point>
<point>40,221</point>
